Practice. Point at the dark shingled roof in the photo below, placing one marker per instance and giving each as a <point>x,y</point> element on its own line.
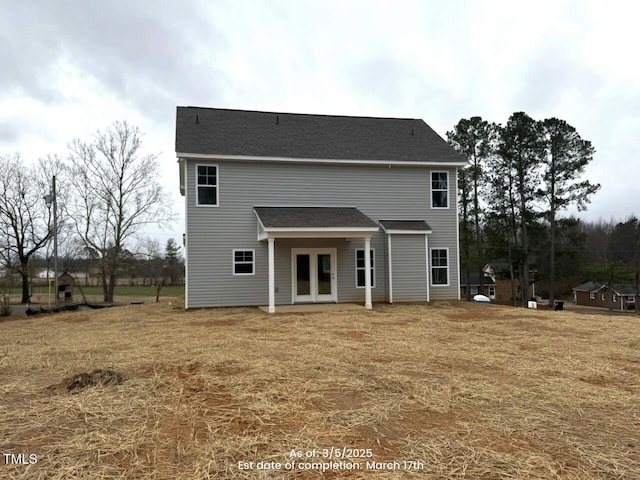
<point>588,287</point>
<point>621,289</point>
<point>313,217</point>
<point>408,225</point>
<point>474,279</point>
<point>218,131</point>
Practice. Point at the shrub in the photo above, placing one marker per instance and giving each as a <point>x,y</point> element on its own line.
<point>5,305</point>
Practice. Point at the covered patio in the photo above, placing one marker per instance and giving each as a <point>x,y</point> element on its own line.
<point>313,269</point>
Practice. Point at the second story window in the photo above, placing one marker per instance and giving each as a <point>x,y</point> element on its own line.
<point>439,190</point>
<point>207,185</point>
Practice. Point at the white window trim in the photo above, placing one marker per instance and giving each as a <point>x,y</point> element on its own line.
<point>447,190</point>
<point>373,267</point>
<point>614,297</point>
<point>492,292</point>
<point>592,295</point>
<point>603,297</point>
<point>234,263</point>
<point>217,185</point>
<point>448,267</point>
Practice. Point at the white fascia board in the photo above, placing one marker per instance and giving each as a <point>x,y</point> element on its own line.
<point>250,158</point>
<point>316,233</point>
<point>260,227</point>
<point>409,232</point>
<point>321,229</point>
<point>259,220</point>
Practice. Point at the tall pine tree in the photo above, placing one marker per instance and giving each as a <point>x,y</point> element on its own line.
<point>565,159</point>
<point>521,151</point>
<point>475,139</point>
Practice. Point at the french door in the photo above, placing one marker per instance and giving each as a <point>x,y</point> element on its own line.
<point>314,275</point>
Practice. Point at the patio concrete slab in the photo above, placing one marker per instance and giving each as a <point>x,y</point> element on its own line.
<point>315,307</point>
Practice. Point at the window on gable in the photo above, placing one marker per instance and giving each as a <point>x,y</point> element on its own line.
<point>439,266</point>
<point>243,262</point>
<point>360,278</point>
<point>439,190</point>
<point>207,185</point>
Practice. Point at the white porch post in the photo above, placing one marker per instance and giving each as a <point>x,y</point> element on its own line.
<point>426,255</point>
<point>390,268</point>
<point>367,273</point>
<point>272,276</point>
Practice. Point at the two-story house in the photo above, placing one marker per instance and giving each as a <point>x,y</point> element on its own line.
<point>288,208</point>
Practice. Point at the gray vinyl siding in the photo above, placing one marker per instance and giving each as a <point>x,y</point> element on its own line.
<point>409,268</point>
<point>380,192</point>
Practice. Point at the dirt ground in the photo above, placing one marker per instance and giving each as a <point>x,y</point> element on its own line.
<point>447,390</point>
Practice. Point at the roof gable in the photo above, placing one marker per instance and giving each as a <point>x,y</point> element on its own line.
<point>213,131</point>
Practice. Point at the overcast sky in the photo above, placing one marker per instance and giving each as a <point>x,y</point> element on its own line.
<point>68,68</point>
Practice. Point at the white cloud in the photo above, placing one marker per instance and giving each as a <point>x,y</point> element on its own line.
<point>71,67</point>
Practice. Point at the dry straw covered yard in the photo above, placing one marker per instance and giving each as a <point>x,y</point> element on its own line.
<point>449,390</point>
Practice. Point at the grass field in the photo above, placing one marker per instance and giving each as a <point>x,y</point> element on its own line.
<point>123,294</point>
<point>168,291</point>
<point>451,390</point>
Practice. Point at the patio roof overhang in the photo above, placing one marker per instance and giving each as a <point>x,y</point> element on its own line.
<point>313,222</point>
<point>406,227</point>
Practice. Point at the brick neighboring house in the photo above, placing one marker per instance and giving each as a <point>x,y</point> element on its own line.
<point>473,283</point>
<point>595,294</point>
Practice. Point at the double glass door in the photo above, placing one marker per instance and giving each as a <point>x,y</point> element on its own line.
<point>314,275</point>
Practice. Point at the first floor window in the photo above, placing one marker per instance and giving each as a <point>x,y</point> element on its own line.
<point>243,262</point>
<point>439,266</point>
<point>360,278</point>
<point>207,185</point>
<point>492,292</point>
<point>592,295</point>
<point>614,297</point>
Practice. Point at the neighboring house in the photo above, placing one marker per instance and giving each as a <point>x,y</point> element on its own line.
<point>282,209</point>
<point>473,284</point>
<point>594,294</point>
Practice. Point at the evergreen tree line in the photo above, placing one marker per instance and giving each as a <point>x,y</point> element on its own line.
<point>519,178</point>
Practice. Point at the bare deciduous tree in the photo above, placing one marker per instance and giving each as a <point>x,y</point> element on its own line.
<point>25,221</point>
<point>116,192</point>
<point>154,267</point>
